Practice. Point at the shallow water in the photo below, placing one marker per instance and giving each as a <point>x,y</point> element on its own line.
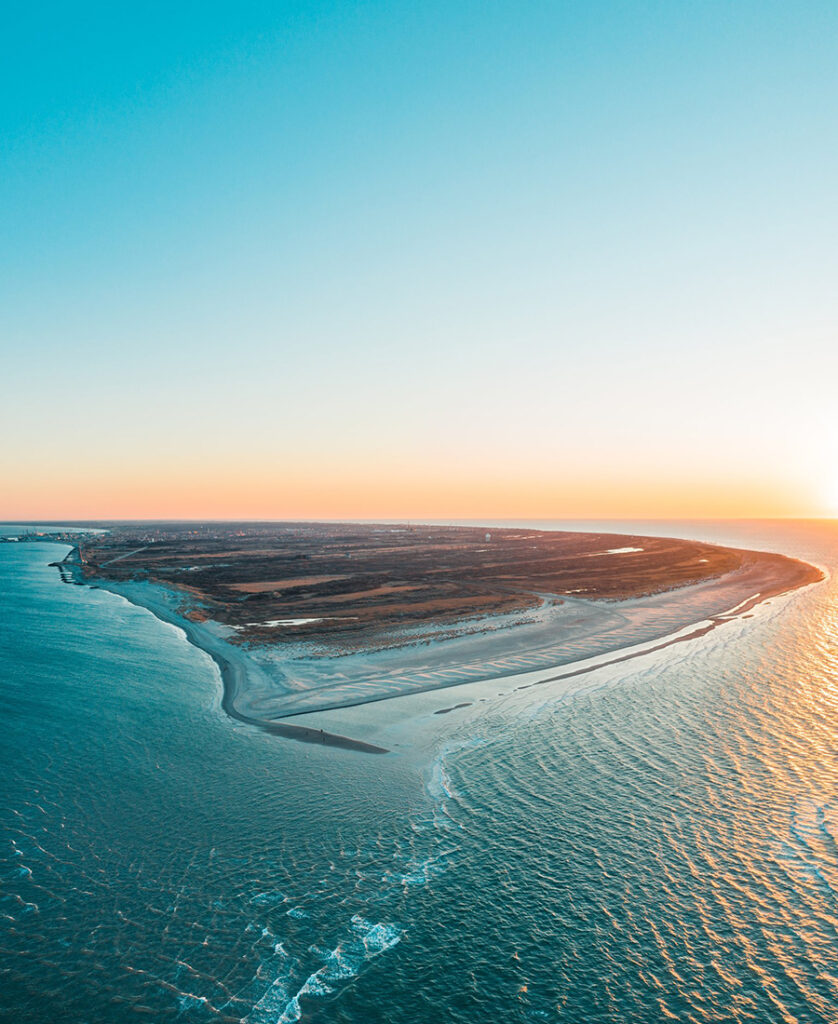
<point>660,845</point>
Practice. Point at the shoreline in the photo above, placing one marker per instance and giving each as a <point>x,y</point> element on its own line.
<point>568,634</point>
<point>235,668</point>
<point>252,688</point>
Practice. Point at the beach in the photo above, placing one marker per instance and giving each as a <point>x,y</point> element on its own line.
<point>264,686</point>
<point>238,671</point>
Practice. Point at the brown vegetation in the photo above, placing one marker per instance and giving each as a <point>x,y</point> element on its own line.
<point>357,580</point>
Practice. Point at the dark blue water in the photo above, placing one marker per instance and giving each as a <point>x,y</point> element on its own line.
<point>659,846</point>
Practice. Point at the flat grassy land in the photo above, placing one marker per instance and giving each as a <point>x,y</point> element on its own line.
<point>356,580</point>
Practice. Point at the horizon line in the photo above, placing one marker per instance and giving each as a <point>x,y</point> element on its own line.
<point>69,520</point>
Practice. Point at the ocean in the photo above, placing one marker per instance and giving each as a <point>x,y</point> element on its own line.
<point>659,843</point>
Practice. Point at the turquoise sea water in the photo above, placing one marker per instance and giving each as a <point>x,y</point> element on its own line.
<point>661,845</point>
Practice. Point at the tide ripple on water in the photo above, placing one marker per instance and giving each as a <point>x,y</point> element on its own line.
<point>672,839</point>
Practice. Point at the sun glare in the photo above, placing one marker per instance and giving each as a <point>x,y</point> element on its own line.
<point>832,500</point>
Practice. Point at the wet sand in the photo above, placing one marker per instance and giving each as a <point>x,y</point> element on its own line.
<point>235,667</point>
<point>264,689</point>
<point>565,632</point>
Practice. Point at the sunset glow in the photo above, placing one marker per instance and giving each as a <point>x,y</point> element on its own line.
<point>230,492</point>
<point>350,264</point>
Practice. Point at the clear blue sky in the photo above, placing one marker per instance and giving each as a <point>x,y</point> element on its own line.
<point>392,259</point>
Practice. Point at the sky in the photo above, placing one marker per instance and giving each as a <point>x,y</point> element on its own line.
<point>413,260</point>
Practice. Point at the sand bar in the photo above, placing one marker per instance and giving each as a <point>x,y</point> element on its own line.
<point>264,685</point>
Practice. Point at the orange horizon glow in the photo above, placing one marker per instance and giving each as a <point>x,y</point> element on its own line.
<point>282,275</point>
<point>234,494</point>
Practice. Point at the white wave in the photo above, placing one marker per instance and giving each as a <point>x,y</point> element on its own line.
<point>267,898</point>
<point>278,1006</point>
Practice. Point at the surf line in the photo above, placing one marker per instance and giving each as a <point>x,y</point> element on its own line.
<point>234,667</point>
<point>695,633</point>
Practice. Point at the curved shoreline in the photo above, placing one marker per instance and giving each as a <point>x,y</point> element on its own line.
<point>666,619</point>
<point>575,632</point>
<point>235,668</point>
